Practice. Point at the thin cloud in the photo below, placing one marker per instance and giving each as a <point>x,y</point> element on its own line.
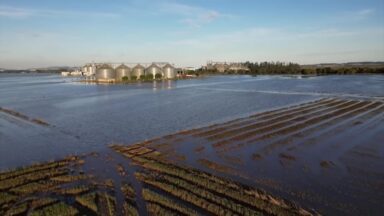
<point>190,15</point>
<point>365,12</point>
<point>15,12</point>
<point>359,15</point>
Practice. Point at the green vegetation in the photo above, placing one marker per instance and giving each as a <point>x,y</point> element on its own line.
<point>34,168</point>
<point>69,178</point>
<point>56,209</point>
<point>133,77</point>
<point>273,68</point>
<point>6,198</point>
<point>191,72</point>
<point>154,197</point>
<point>80,189</point>
<point>198,196</point>
<point>341,70</point>
<point>185,195</point>
<point>158,76</point>
<point>142,77</point>
<point>211,193</point>
<point>148,77</point>
<point>32,187</point>
<point>260,68</point>
<point>88,201</point>
<point>215,166</point>
<point>39,202</point>
<point>125,78</point>
<point>129,206</point>
<point>23,179</point>
<point>107,204</point>
<point>155,209</point>
<point>21,189</point>
<point>130,210</point>
<point>18,210</point>
<point>128,191</point>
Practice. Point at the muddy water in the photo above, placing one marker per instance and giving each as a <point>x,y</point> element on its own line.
<point>85,118</point>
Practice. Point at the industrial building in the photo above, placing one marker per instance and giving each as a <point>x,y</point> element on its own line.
<point>89,69</point>
<point>112,72</point>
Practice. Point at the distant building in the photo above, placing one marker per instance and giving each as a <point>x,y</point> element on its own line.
<point>65,73</point>
<point>72,73</point>
<point>89,69</point>
<point>226,66</point>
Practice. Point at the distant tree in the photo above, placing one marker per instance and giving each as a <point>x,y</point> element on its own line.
<point>158,76</point>
<point>149,77</point>
<point>256,68</point>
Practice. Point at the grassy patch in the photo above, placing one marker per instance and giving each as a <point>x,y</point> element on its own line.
<point>56,209</point>
<point>88,201</point>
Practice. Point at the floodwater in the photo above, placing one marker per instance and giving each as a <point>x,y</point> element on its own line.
<point>87,117</point>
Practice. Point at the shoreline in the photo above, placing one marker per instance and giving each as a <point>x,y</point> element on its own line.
<point>134,81</point>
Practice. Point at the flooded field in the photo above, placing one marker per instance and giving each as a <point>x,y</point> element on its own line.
<point>326,153</point>
<point>219,145</point>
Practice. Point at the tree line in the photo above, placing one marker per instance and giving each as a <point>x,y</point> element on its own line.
<point>259,68</point>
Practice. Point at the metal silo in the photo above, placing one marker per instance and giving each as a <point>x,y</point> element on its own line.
<point>105,73</point>
<point>169,72</point>
<point>84,69</point>
<point>90,68</point>
<point>123,71</point>
<point>153,70</point>
<point>138,70</point>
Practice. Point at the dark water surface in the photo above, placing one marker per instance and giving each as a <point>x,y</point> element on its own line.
<point>88,117</point>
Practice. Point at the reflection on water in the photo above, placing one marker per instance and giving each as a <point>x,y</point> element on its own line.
<point>87,117</point>
<point>164,84</point>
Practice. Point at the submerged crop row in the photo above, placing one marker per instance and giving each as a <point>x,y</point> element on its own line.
<point>157,177</point>
<point>203,191</point>
<point>53,188</point>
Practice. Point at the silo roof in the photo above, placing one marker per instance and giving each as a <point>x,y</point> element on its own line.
<point>123,66</point>
<point>105,66</point>
<point>153,65</point>
<point>168,65</point>
<point>139,66</point>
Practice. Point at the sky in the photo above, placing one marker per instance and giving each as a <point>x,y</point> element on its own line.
<point>44,33</point>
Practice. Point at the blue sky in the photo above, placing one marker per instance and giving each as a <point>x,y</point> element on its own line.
<point>188,33</point>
